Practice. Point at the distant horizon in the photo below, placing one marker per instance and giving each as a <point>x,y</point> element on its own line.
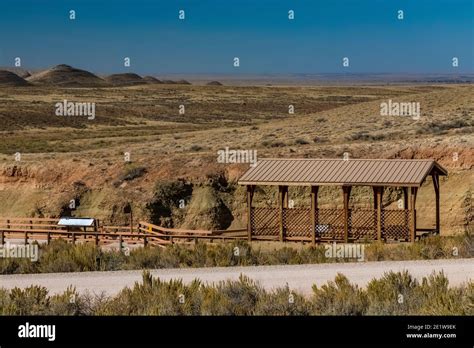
<point>236,74</point>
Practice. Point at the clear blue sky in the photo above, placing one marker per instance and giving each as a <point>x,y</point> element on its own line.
<point>256,31</point>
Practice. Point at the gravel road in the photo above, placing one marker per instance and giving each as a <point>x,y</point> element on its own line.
<point>298,277</point>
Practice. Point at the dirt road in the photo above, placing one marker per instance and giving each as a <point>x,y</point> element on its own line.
<point>298,277</point>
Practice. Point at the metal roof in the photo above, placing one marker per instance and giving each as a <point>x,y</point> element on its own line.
<point>361,172</point>
<point>78,222</point>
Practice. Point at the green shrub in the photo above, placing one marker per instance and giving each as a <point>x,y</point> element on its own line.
<point>132,172</point>
<point>61,256</point>
<point>394,293</point>
<point>153,296</point>
<point>339,298</point>
<point>32,300</point>
<point>283,302</point>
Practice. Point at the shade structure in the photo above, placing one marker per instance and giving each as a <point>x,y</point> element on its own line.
<point>347,224</point>
<point>356,172</point>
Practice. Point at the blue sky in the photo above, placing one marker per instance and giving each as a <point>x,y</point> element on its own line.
<point>256,31</point>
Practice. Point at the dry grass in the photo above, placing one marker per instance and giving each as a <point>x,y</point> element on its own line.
<point>144,121</point>
<point>60,256</point>
<point>431,296</point>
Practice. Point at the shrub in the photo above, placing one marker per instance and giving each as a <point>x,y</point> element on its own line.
<point>132,173</point>
<point>394,293</point>
<point>61,256</point>
<point>320,139</point>
<point>32,300</point>
<point>196,148</point>
<point>153,296</point>
<point>283,301</point>
<point>166,197</point>
<point>301,142</point>
<point>339,298</point>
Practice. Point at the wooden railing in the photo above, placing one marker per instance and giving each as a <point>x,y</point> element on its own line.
<point>28,229</point>
<point>176,235</point>
<point>265,225</point>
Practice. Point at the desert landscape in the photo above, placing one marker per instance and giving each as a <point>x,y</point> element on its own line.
<point>170,170</point>
<point>153,144</point>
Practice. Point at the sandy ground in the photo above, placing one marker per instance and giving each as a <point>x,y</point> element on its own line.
<point>298,277</point>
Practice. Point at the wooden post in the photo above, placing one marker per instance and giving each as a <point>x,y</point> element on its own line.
<point>282,204</point>
<point>414,191</point>
<point>346,191</point>
<point>405,197</point>
<point>120,243</point>
<point>314,208</point>
<point>145,241</point>
<point>435,177</point>
<point>73,236</point>
<point>379,212</point>
<point>2,237</point>
<point>250,193</point>
<point>375,190</point>
<point>48,238</point>
<point>97,239</point>
<point>405,205</point>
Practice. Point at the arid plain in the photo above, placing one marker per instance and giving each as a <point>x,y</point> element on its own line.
<point>154,144</point>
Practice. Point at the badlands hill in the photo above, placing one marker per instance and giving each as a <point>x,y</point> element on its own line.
<point>7,78</point>
<point>126,79</point>
<point>214,83</point>
<point>152,80</point>
<point>66,76</point>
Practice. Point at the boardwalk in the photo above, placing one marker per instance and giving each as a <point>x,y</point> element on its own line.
<point>298,277</point>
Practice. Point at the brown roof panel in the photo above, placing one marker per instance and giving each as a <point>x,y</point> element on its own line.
<point>375,172</point>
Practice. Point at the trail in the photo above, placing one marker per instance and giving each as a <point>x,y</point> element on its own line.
<point>298,277</point>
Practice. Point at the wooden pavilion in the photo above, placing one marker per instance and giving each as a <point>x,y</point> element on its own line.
<point>313,224</point>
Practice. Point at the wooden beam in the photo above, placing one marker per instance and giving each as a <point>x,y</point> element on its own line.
<point>282,196</point>
<point>250,193</point>
<point>405,197</point>
<point>413,193</point>
<point>435,177</point>
<point>346,192</point>
<point>285,196</point>
<point>379,212</point>
<point>314,208</point>
<point>405,204</point>
<point>375,189</point>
